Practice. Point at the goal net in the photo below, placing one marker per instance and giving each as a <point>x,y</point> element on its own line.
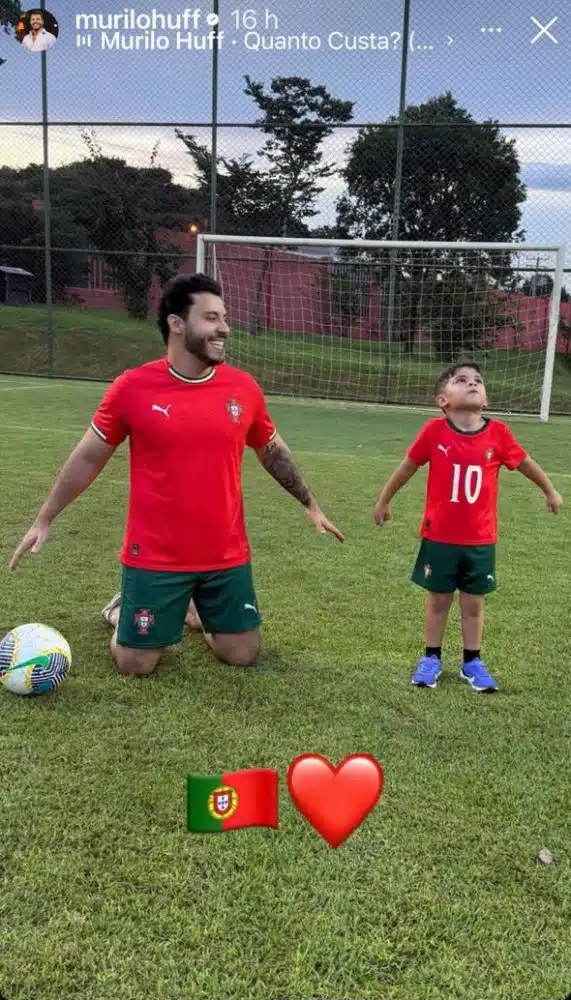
<point>376,322</point>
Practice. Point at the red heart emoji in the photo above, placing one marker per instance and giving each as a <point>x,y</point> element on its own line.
<point>335,800</point>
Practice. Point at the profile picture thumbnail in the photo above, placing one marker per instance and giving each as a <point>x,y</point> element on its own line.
<point>37,30</point>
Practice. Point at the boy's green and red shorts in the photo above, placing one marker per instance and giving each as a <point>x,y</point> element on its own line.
<point>443,568</point>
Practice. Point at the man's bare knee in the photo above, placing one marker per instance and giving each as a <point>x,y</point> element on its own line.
<point>241,650</point>
<point>135,662</point>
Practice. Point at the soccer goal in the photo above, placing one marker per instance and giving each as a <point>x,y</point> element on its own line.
<point>376,322</point>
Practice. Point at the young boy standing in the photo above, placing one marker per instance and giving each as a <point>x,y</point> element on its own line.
<point>464,451</point>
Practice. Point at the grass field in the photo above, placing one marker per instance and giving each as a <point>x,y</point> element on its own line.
<point>438,896</point>
<point>94,343</point>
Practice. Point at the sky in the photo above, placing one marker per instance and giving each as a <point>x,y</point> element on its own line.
<point>501,59</point>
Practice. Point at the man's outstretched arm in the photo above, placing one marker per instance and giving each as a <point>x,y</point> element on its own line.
<point>83,466</point>
<point>277,459</point>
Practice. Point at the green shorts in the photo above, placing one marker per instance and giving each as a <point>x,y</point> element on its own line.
<point>445,568</point>
<point>154,604</point>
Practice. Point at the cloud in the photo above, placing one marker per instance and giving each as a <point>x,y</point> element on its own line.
<point>542,145</point>
<point>545,155</point>
<point>546,218</point>
<point>547,176</point>
<point>22,145</point>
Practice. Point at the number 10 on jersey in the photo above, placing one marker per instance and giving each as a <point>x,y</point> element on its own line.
<point>470,482</point>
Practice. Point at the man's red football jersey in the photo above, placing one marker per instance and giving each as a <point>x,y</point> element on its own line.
<point>187,439</point>
<point>462,490</point>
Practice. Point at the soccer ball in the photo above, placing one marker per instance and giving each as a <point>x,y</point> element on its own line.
<point>34,659</point>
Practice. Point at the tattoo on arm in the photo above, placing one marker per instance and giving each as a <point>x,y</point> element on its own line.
<point>278,461</point>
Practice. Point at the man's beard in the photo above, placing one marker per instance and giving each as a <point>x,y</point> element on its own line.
<point>198,347</point>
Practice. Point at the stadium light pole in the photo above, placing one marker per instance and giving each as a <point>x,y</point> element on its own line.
<point>395,228</point>
<point>214,142</point>
<point>47,209</point>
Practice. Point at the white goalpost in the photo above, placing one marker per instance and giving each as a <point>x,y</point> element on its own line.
<point>375,322</point>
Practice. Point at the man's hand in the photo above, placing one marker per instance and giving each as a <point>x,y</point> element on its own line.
<point>276,459</point>
<point>322,525</point>
<point>553,501</point>
<point>381,512</point>
<point>34,541</point>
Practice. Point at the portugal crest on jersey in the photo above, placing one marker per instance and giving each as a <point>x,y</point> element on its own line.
<point>489,454</point>
<point>223,802</point>
<point>144,620</point>
<point>234,409</point>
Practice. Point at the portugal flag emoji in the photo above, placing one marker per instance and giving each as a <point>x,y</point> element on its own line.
<point>232,801</point>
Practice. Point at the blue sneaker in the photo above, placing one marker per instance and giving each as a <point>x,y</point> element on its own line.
<point>476,673</point>
<point>427,672</point>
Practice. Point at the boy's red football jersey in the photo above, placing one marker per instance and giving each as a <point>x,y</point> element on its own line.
<point>186,439</point>
<point>462,489</point>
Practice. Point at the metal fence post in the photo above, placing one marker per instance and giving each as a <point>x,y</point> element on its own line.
<point>398,188</point>
<point>47,211</point>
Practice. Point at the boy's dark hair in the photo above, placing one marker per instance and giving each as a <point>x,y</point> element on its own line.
<point>178,297</point>
<point>448,373</point>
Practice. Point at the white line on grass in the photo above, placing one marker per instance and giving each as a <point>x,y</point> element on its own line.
<point>22,388</point>
<point>26,429</point>
<point>48,384</point>
<point>378,459</point>
<point>308,401</point>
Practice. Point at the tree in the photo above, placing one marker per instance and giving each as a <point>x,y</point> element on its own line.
<point>539,285</point>
<point>565,333</point>
<point>246,198</point>
<point>10,14</point>
<point>329,232</point>
<point>23,228</point>
<point>248,202</point>
<point>297,117</point>
<point>462,313</point>
<point>542,284</point>
<point>458,183</point>
<point>120,208</point>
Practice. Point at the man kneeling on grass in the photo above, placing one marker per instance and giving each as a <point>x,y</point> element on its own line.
<point>188,418</point>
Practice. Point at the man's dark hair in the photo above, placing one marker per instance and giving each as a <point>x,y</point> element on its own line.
<point>178,297</point>
<point>448,373</point>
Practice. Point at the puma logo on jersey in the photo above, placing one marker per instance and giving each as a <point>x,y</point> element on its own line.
<point>162,409</point>
<point>444,449</point>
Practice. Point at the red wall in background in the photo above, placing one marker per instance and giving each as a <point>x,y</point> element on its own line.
<point>290,300</point>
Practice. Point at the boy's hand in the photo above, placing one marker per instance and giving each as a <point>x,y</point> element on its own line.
<point>553,501</point>
<point>381,513</point>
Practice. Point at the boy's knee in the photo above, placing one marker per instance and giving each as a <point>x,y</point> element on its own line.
<point>472,605</point>
<point>440,602</point>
